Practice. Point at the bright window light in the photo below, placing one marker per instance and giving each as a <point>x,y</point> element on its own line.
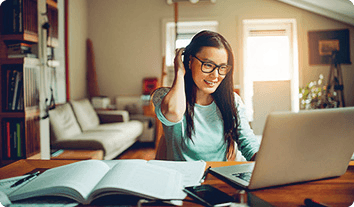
<point>182,42</point>
<point>268,58</point>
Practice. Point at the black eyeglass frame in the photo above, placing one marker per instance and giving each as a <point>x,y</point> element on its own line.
<point>215,66</point>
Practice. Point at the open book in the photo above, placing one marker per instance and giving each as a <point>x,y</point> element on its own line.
<point>88,180</point>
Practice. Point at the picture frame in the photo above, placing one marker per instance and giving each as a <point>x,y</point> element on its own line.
<point>323,42</point>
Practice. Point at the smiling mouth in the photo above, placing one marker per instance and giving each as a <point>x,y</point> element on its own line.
<point>210,83</point>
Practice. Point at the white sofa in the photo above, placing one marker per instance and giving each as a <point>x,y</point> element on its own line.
<point>76,125</point>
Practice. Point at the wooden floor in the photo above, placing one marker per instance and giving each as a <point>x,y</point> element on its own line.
<point>139,150</point>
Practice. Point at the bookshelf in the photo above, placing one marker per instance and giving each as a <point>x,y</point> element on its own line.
<point>20,77</point>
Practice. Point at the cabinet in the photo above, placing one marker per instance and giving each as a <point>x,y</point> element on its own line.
<point>20,77</point>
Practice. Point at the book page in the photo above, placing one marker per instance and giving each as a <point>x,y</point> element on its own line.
<point>192,171</point>
<point>112,163</point>
<point>5,184</point>
<point>141,179</point>
<point>74,181</point>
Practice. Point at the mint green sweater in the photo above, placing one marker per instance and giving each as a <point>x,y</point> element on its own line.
<point>208,140</point>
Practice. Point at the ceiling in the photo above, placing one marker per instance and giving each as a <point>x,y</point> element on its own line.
<point>341,10</point>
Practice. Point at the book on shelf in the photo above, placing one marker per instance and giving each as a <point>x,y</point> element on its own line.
<point>85,181</point>
<point>12,142</point>
<point>8,140</point>
<point>18,48</point>
<point>16,14</point>
<point>11,74</point>
<point>19,100</point>
<point>16,94</point>
<point>13,16</point>
<point>30,55</point>
<point>19,140</point>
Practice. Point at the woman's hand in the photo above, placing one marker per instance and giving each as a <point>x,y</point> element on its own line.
<point>179,66</point>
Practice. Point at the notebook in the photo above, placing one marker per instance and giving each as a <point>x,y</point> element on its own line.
<point>298,147</point>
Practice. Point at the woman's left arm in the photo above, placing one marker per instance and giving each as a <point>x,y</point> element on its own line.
<point>247,142</point>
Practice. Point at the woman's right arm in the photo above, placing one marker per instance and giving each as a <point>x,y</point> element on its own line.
<point>173,105</point>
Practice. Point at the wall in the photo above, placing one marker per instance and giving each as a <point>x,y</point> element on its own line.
<point>78,32</point>
<point>127,35</point>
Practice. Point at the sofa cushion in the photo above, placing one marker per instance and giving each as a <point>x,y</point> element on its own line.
<point>63,123</point>
<point>116,137</point>
<point>85,114</point>
<point>113,138</point>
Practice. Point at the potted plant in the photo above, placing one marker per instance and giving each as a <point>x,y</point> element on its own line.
<point>315,96</point>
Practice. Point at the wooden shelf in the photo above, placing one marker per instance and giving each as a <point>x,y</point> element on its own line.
<point>29,112</point>
<point>26,37</point>
<point>26,61</point>
<point>23,76</point>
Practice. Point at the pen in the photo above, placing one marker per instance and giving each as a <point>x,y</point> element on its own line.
<point>312,203</point>
<point>19,182</point>
<point>205,174</point>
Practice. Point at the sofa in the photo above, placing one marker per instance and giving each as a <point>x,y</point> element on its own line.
<point>76,125</point>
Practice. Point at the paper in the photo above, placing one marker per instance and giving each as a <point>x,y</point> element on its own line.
<point>4,200</point>
<point>192,170</point>
<point>5,184</point>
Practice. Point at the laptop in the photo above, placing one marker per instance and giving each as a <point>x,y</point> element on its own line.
<point>298,147</point>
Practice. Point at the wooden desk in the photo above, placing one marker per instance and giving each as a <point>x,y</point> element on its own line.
<point>334,192</point>
<point>74,155</point>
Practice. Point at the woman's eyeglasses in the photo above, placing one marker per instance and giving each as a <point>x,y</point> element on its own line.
<point>209,67</point>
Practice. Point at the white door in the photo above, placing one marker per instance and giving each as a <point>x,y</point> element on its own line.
<point>270,72</point>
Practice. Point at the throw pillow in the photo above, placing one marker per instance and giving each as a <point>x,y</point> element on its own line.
<point>63,123</point>
<point>85,114</point>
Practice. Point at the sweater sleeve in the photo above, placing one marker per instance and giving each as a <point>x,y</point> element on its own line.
<point>247,142</point>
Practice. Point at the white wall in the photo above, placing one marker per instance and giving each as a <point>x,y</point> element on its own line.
<point>78,32</point>
<point>126,36</point>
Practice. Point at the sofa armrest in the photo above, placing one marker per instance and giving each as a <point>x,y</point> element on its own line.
<point>111,116</point>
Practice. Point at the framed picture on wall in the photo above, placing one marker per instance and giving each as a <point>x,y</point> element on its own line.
<point>322,43</point>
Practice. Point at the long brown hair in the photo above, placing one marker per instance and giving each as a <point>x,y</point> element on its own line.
<point>223,95</point>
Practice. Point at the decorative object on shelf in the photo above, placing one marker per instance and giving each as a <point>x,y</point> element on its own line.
<point>322,43</point>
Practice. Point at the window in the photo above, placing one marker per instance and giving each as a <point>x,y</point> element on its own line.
<point>270,54</point>
<point>268,58</point>
<point>186,30</point>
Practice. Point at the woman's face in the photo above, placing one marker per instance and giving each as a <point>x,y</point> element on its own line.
<point>207,83</point>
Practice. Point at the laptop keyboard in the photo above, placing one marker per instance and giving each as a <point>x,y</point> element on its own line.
<point>246,176</point>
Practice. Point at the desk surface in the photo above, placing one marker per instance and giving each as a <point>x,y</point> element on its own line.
<point>334,192</point>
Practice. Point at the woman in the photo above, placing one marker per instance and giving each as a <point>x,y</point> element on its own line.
<point>201,115</point>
